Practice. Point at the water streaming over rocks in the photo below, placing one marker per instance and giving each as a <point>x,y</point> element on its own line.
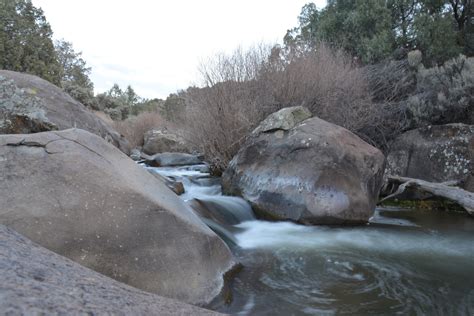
<point>404,262</point>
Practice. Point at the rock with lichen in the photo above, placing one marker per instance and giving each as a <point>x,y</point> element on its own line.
<point>29,104</point>
<point>435,153</point>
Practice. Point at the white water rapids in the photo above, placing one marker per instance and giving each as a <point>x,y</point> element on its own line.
<point>405,262</point>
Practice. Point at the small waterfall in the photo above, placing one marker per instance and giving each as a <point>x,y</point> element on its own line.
<point>203,193</point>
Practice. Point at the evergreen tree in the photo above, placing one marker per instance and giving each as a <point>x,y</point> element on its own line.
<point>360,27</point>
<point>26,44</point>
<point>376,29</point>
<point>75,74</point>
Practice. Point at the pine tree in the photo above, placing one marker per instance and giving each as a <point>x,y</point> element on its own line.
<point>26,41</point>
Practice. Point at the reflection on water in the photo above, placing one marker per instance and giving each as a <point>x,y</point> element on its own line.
<point>405,262</point>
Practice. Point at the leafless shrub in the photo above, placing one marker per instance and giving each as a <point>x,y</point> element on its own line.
<point>243,88</point>
<point>391,81</point>
<point>327,82</point>
<point>135,127</point>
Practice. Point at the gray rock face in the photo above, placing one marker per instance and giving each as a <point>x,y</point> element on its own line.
<point>77,195</point>
<point>29,104</point>
<point>135,154</point>
<point>285,119</point>
<point>158,141</point>
<point>175,186</point>
<point>436,153</point>
<point>172,159</point>
<point>314,173</point>
<point>36,281</point>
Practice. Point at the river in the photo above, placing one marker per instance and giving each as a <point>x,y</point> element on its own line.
<point>404,262</point>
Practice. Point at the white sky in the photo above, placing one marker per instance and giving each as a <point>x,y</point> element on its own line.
<point>156,45</point>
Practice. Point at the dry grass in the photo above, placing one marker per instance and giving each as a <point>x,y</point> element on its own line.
<point>135,127</point>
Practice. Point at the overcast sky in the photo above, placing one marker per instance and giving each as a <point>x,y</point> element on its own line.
<point>156,45</point>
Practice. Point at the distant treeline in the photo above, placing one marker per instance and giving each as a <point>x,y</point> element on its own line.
<point>374,30</point>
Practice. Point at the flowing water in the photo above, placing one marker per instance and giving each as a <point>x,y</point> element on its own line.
<point>404,262</point>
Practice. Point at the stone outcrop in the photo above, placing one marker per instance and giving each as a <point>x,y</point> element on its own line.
<point>436,153</point>
<point>29,104</point>
<point>79,196</point>
<point>314,173</point>
<point>36,281</point>
<point>160,141</point>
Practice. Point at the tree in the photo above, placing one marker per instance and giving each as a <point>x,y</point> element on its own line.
<point>403,13</point>
<point>463,12</point>
<point>435,32</point>
<point>131,97</point>
<point>360,27</point>
<point>75,74</point>
<point>26,44</point>
<point>373,30</point>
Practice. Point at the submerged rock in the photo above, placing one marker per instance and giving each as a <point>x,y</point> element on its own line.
<point>172,160</point>
<point>77,195</point>
<point>313,173</point>
<point>160,141</point>
<point>436,153</point>
<point>29,104</point>
<point>36,281</point>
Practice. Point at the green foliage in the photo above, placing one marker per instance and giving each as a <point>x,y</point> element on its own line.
<point>360,27</point>
<point>75,74</point>
<point>25,41</point>
<point>374,30</point>
<point>151,105</point>
<point>121,104</point>
<point>173,107</point>
<point>445,94</point>
<point>436,37</point>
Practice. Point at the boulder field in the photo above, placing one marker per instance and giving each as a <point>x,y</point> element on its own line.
<point>306,170</point>
<point>36,281</point>
<point>77,195</point>
<point>29,104</point>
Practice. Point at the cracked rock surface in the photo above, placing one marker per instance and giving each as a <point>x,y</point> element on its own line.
<point>36,281</point>
<point>79,196</point>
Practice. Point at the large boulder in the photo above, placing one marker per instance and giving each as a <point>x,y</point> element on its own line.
<point>77,195</point>
<point>313,173</point>
<point>36,281</point>
<point>29,104</point>
<point>160,141</point>
<point>435,153</point>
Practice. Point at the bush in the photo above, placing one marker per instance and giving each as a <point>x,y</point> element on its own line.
<point>326,81</point>
<point>242,88</point>
<point>135,127</point>
<point>81,94</point>
<point>444,94</point>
